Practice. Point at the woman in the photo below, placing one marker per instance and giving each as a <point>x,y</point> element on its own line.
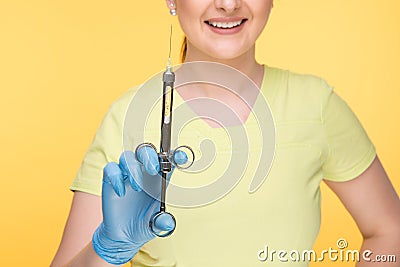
<point>318,137</point>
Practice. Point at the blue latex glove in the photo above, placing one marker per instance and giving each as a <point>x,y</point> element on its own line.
<point>127,206</point>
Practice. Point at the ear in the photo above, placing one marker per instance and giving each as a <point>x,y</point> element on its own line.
<point>170,4</point>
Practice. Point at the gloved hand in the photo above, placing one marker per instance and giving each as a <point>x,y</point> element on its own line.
<point>128,203</point>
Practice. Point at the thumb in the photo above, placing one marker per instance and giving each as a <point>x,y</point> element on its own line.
<point>180,157</point>
<point>164,222</point>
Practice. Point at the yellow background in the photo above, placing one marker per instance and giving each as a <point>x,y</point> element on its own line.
<point>62,63</point>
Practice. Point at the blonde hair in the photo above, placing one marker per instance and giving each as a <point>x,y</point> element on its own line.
<point>183,49</point>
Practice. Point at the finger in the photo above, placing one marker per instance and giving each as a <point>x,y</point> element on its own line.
<point>148,156</point>
<point>131,169</point>
<point>112,175</point>
<point>164,222</point>
<point>180,157</point>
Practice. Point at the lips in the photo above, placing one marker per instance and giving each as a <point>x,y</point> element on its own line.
<point>225,25</point>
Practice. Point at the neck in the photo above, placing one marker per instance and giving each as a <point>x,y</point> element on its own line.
<point>245,63</point>
<point>237,102</point>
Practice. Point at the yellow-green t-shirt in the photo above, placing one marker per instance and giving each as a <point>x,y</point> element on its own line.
<point>317,137</point>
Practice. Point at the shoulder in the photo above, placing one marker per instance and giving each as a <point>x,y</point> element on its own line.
<point>122,102</point>
<point>302,84</point>
<point>300,96</point>
<point>118,108</point>
<point>140,97</point>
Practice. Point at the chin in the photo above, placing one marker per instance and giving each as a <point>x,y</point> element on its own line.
<point>219,51</point>
<point>227,58</point>
<point>226,54</point>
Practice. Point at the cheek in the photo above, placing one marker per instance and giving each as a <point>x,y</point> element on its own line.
<point>190,8</point>
<point>261,15</point>
<point>189,14</point>
<point>189,27</point>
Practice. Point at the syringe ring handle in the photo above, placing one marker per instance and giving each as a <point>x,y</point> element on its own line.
<point>156,220</point>
<point>142,145</point>
<point>177,160</point>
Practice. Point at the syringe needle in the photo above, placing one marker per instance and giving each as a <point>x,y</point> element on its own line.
<point>170,45</point>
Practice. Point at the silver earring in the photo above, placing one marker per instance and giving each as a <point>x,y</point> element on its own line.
<point>172,12</point>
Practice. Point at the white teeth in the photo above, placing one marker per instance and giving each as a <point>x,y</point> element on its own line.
<point>225,25</point>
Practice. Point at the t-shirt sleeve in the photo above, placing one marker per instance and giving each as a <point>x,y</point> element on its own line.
<point>106,146</point>
<point>350,151</point>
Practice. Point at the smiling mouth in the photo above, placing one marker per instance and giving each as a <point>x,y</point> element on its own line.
<point>225,25</point>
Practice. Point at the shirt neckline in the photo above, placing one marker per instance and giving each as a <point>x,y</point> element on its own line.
<point>266,91</point>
